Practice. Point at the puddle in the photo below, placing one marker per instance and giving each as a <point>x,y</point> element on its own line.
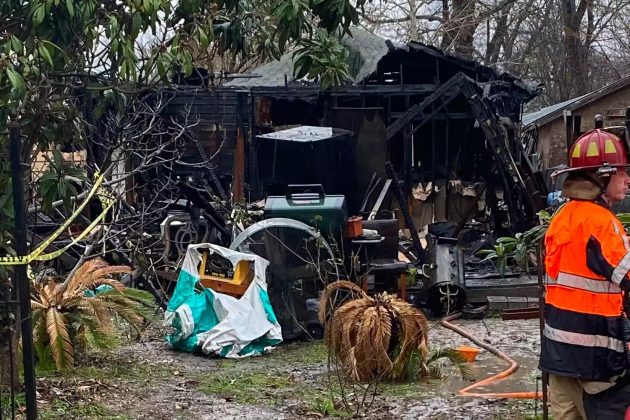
<point>440,400</point>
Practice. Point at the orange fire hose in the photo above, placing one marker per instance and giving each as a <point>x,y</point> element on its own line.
<point>493,379</point>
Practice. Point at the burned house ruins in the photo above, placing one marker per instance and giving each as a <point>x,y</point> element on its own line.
<point>426,141</point>
<point>449,126</point>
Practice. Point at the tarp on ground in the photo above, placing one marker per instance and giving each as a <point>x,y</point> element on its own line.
<point>218,324</point>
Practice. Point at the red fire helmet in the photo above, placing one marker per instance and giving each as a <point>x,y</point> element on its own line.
<point>596,149</point>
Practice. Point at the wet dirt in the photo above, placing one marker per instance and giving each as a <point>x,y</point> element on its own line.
<point>147,380</point>
<point>439,400</point>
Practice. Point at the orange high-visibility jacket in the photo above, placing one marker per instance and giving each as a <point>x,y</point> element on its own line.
<point>582,336</point>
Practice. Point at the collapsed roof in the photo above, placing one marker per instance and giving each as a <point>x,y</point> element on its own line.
<point>366,52</point>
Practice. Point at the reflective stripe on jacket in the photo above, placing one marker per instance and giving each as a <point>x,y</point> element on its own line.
<point>582,336</point>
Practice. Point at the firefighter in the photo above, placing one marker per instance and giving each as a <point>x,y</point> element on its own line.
<point>587,262</point>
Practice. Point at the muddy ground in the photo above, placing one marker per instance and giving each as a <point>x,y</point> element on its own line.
<point>147,380</point>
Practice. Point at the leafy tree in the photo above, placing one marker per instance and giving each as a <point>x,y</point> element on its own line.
<point>59,56</point>
<point>64,64</point>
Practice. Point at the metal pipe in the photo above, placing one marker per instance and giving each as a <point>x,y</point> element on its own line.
<point>23,285</point>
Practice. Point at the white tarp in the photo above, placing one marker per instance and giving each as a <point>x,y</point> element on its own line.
<point>218,324</point>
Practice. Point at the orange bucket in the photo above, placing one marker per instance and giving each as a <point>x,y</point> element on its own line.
<point>468,353</point>
<point>354,227</point>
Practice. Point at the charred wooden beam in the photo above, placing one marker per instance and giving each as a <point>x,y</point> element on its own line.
<point>408,157</point>
<point>444,94</point>
<point>381,89</point>
<point>516,190</point>
<point>404,209</point>
<point>438,116</point>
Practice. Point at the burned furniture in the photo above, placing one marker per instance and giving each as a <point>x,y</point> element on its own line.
<point>381,268</point>
<point>307,155</point>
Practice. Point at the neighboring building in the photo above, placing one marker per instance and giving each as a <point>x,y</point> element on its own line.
<point>548,127</point>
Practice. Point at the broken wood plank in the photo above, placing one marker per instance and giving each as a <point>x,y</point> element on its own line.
<point>513,314</point>
<point>238,171</point>
<point>402,201</point>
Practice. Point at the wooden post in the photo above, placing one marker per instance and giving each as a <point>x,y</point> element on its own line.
<point>402,287</point>
<point>577,127</point>
<point>238,172</point>
<point>568,126</point>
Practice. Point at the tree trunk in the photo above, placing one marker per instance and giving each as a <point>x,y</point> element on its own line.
<point>498,38</point>
<point>413,21</point>
<point>576,51</point>
<point>459,29</point>
<point>8,365</point>
<point>446,17</point>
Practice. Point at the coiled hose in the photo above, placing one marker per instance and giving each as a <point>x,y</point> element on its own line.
<point>513,367</point>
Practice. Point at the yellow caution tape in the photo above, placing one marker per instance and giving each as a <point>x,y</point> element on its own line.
<point>36,254</point>
<point>55,254</point>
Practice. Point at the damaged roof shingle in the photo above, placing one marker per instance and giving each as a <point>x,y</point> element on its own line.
<point>365,50</point>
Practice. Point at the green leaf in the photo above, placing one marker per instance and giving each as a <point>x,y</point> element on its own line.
<point>45,54</point>
<point>57,159</point>
<point>325,83</point>
<point>188,65</point>
<point>38,16</point>
<point>17,82</point>
<point>16,45</point>
<point>161,68</point>
<point>136,24</point>
<point>50,46</point>
<point>70,8</point>
<point>203,38</point>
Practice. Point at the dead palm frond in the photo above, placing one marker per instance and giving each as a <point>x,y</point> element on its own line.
<point>373,337</point>
<point>69,316</point>
<point>335,294</point>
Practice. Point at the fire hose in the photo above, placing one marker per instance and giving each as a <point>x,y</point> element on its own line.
<point>513,367</point>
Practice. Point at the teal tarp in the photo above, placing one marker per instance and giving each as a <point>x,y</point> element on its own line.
<point>219,324</point>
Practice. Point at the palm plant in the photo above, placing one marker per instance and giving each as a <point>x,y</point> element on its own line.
<point>374,337</point>
<point>624,218</point>
<point>77,314</point>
